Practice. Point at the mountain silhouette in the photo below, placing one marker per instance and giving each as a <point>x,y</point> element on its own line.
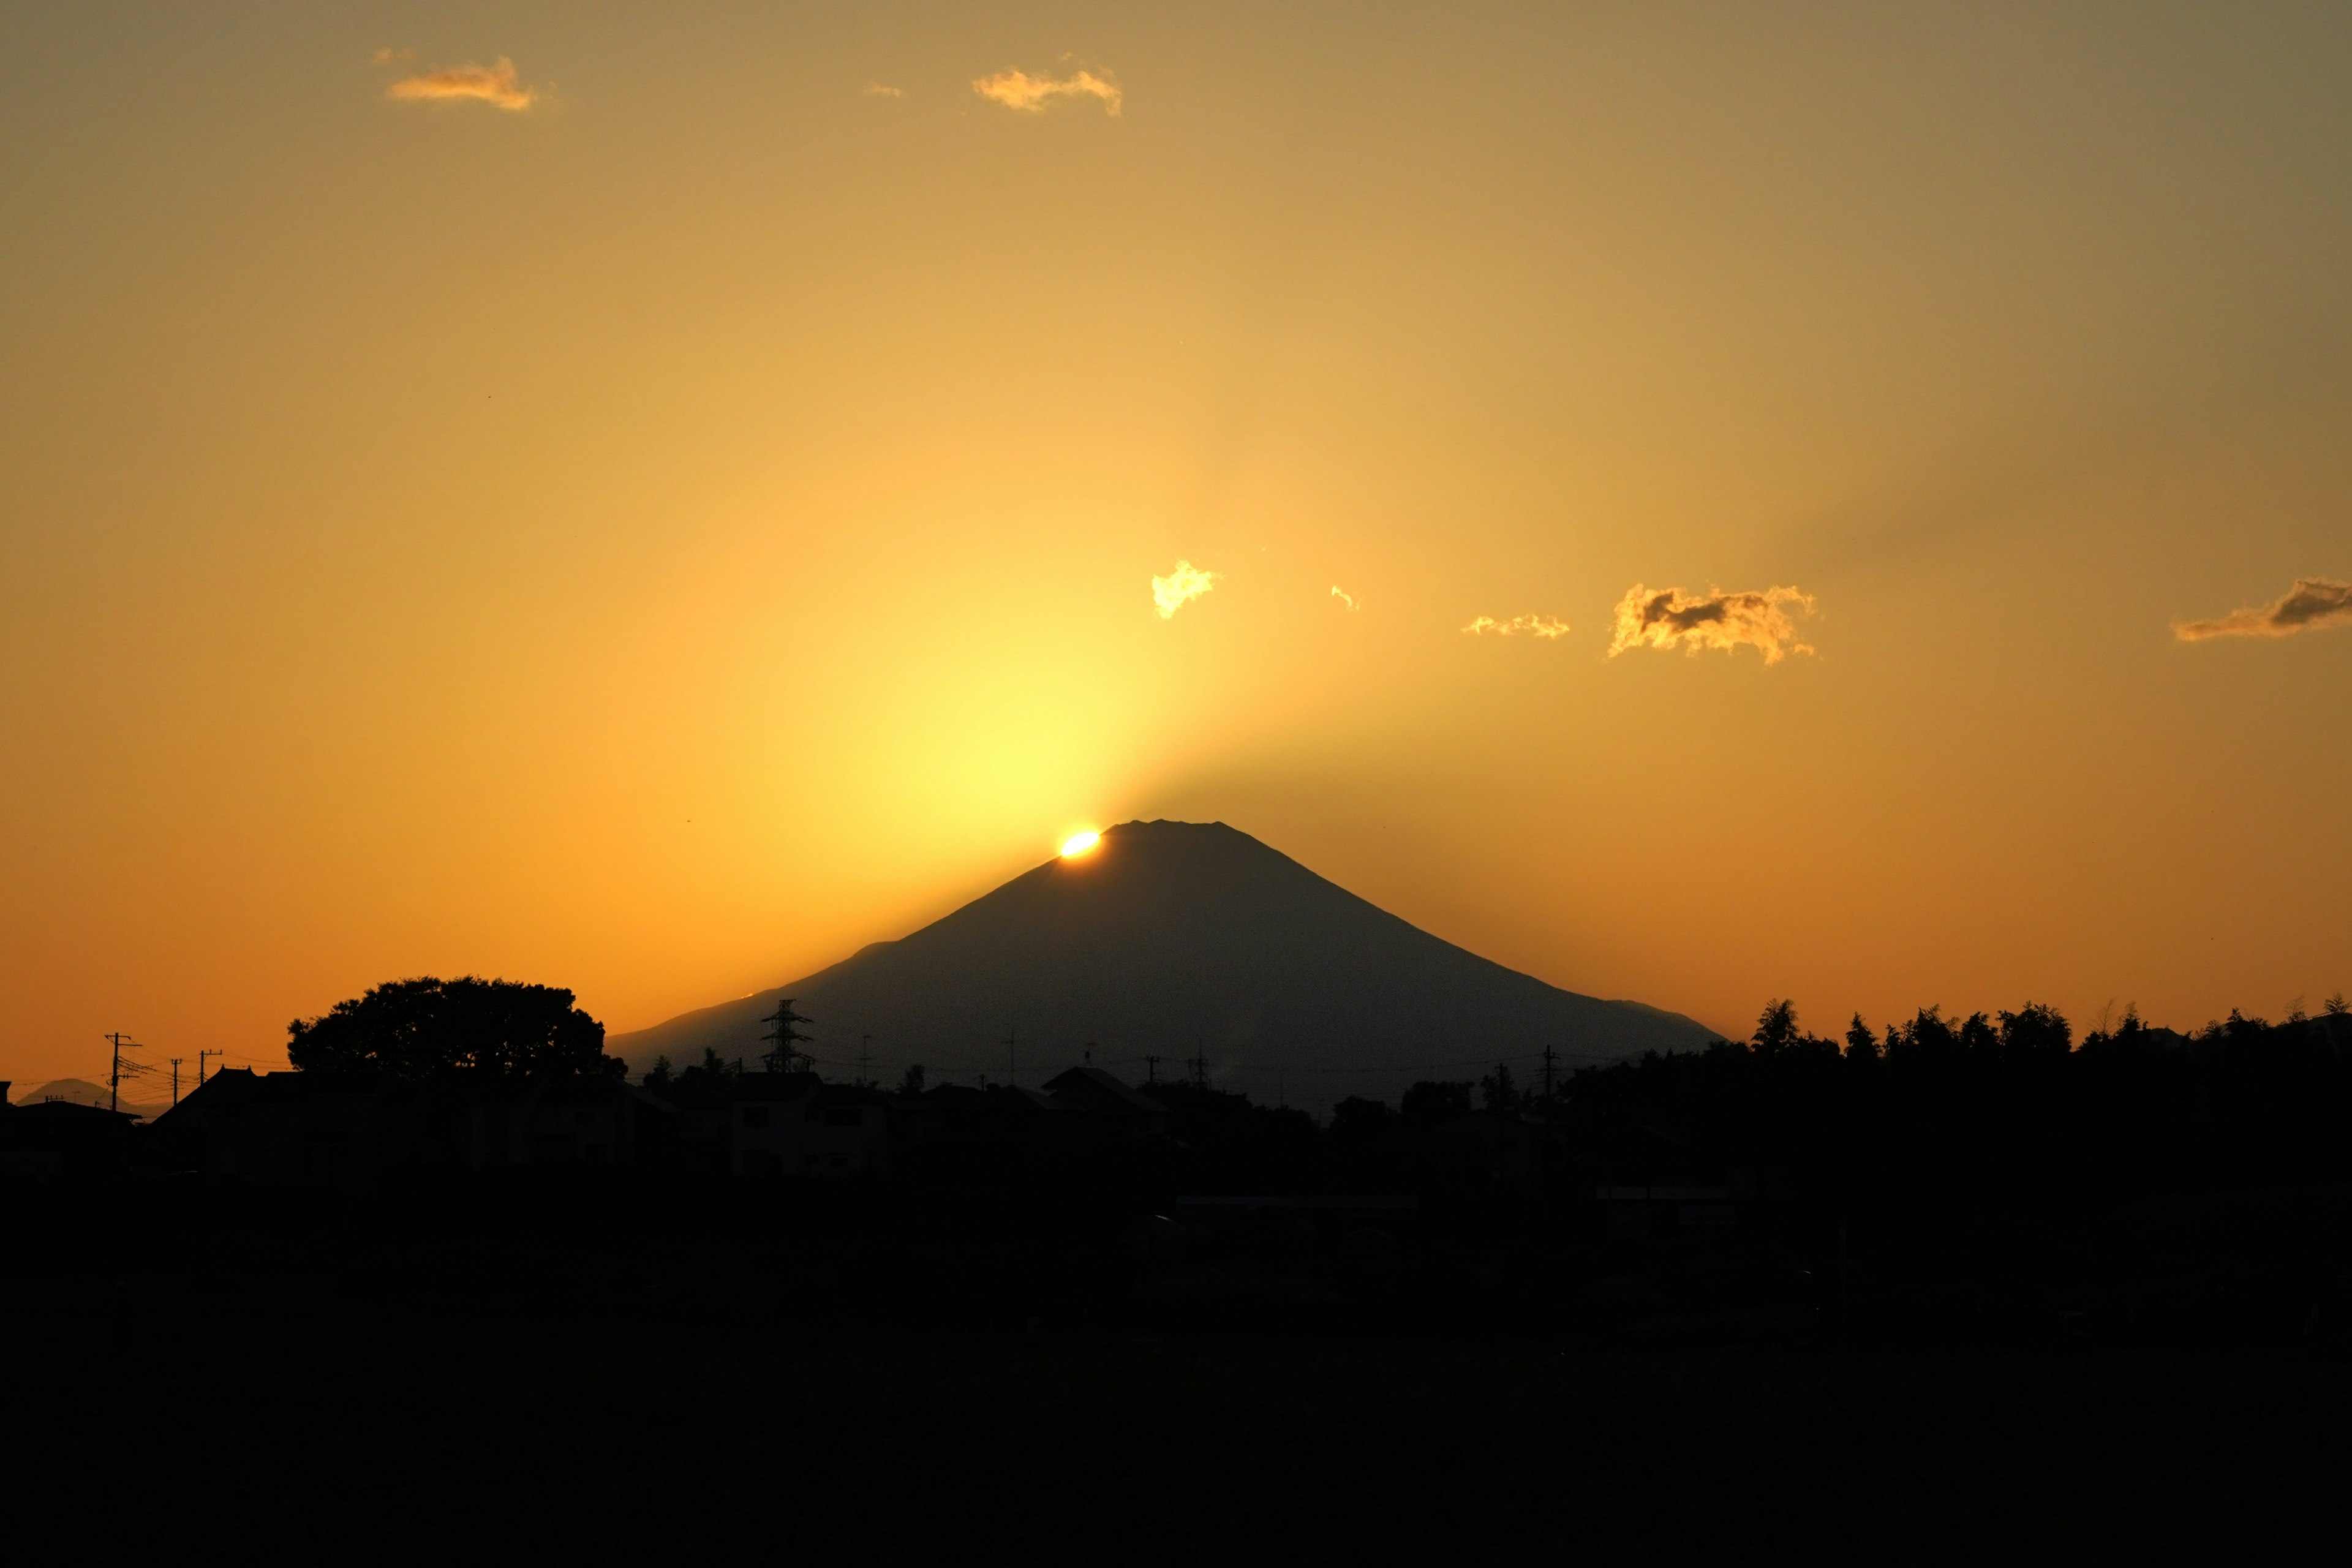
<point>1172,939</point>
<point>81,1091</point>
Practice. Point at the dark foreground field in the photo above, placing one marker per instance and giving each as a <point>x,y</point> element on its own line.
<point>151,1423</point>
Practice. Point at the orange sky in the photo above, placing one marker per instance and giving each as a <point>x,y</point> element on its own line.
<point>649,500</point>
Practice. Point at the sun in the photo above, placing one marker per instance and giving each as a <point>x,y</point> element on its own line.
<point>1079,843</point>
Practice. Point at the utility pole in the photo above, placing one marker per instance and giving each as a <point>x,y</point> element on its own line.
<point>114,1073</point>
<point>1152,1071</point>
<point>200,1065</point>
<point>1012,1057</point>
<point>1549,1055</point>
<point>175,1080</point>
<point>865,1057</point>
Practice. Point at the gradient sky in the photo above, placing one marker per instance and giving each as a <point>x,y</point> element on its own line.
<point>691,508</point>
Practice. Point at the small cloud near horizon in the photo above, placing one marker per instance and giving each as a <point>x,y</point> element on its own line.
<point>1534,626</point>
<point>492,84</point>
<point>1181,587</point>
<point>1344,596</point>
<point>1667,617</point>
<point>2312,603</point>
<point>1027,94</point>
<point>880,89</point>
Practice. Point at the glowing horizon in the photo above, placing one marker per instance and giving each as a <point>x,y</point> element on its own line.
<point>650,508</point>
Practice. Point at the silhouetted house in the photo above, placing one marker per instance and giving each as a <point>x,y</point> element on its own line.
<point>794,1124</point>
<point>1096,1094</point>
<point>304,1129</point>
<point>276,1130</point>
<point>1649,1185</point>
<point>703,1121</point>
<point>1514,1149</point>
<point>959,1134</point>
<point>58,1142</point>
<point>583,1121</point>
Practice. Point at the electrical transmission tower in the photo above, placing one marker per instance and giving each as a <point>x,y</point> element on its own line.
<point>785,1040</point>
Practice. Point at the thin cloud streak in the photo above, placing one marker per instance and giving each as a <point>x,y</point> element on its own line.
<point>2312,603</point>
<point>1344,596</point>
<point>1534,626</point>
<point>1181,587</point>
<point>1027,94</point>
<point>1668,617</point>
<point>492,84</point>
<point>878,90</point>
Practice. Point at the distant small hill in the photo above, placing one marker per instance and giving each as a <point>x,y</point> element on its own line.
<point>1172,938</point>
<point>80,1092</point>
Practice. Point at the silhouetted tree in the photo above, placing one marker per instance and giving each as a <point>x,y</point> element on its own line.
<point>1860,1043</point>
<point>1497,1092</point>
<point>711,1079</point>
<point>2035,1031</point>
<point>1775,1027</point>
<point>1926,1039</point>
<point>910,1082</point>
<point>658,1077</point>
<point>2334,1006</point>
<point>408,1030</point>
<point>1977,1038</point>
<point>1427,1103</point>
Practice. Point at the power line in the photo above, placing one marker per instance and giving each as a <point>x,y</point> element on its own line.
<point>114,1078</point>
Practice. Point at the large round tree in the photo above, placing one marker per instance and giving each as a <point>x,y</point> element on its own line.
<point>426,1027</point>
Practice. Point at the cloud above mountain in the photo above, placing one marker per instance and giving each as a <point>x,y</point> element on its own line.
<point>1669,617</point>
<point>2313,603</point>
<point>1181,587</point>
<point>495,85</point>
<point>1027,94</point>
<point>1531,624</point>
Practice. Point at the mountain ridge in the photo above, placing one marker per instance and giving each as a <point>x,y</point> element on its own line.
<point>1172,939</point>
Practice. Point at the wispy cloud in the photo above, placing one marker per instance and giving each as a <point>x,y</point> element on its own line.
<point>392,57</point>
<point>1534,626</point>
<point>2313,603</point>
<point>1344,596</point>
<point>492,84</point>
<point>1029,94</point>
<point>1181,587</point>
<point>1664,617</point>
<point>878,90</point>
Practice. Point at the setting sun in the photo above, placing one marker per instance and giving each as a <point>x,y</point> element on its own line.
<point>1079,843</point>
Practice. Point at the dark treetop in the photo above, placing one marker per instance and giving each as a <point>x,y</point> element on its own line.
<point>412,1030</point>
